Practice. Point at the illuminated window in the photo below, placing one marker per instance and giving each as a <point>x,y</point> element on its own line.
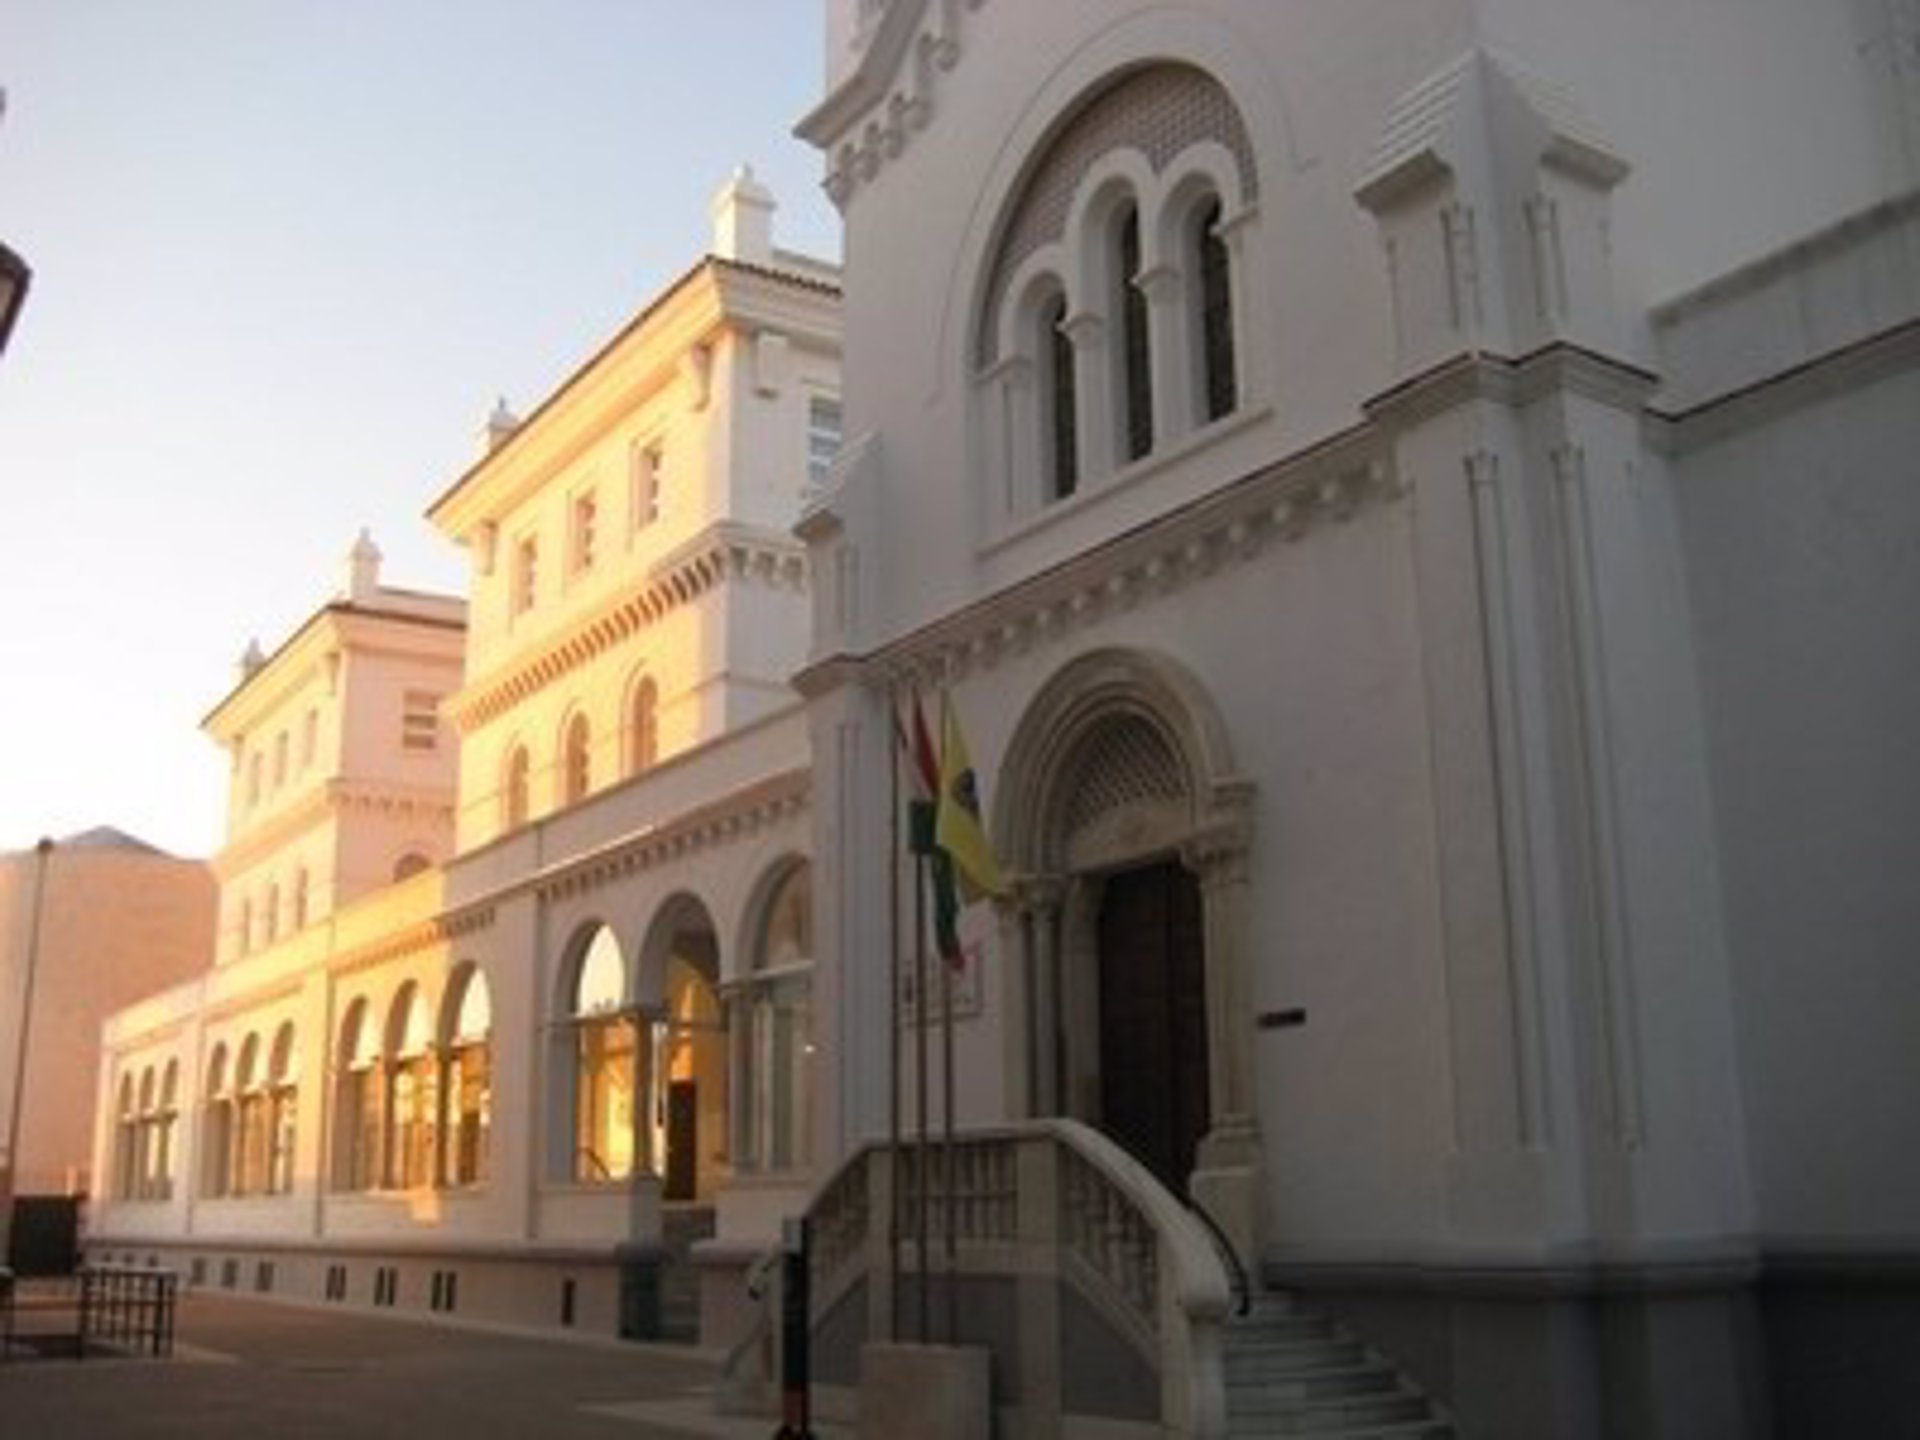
<point>357,1112</point>
<point>645,463</point>
<point>513,789</point>
<point>526,574</point>
<point>576,761</point>
<point>413,1074</point>
<point>777,1006</point>
<point>419,720</point>
<point>283,1095</point>
<point>253,1140</point>
<point>643,728</point>
<point>126,1143</point>
<point>604,1071</point>
<point>469,1081</point>
<point>580,534</point>
<point>823,437</point>
<point>216,1128</point>
<point>166,1122</point>
<point>279,759</point>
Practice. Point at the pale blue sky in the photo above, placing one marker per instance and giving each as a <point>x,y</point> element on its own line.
<point>286,252</point>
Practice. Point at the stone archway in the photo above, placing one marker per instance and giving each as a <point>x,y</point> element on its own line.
<point>1119,773</point>
<point>688,1087</point>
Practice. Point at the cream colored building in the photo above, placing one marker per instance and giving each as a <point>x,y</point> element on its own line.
<point>512,1012</point>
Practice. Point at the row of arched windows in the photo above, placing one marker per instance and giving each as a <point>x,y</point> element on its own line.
<point>413,1104</point>
<point>144,1124</point>
<point>248,1120</point>
<point>577,776</point>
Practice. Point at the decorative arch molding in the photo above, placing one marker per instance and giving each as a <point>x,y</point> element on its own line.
<point>750,932</point>
<point>1189,803</point>
<point>681,912</point>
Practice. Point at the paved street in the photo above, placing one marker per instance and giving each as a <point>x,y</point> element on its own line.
<point>252,1369</point>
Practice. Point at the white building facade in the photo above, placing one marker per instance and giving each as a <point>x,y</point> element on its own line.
<point>1409,503</point>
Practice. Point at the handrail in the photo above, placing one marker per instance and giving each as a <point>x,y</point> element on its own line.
<point>1237,1277</point>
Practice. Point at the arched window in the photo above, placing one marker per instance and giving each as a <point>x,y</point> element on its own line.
<point>357,1111</point>
<point>469,1078</point>
<point>283,1095</point>
<point>778,1031</point>
<point>126,1142</point>
<point>245,927</point>
<point>165,1125</point>
<point>643,727</point>
<point>300,898</point>
<point>513,789</point>
<point>216,1128</point>
<point>576,769</point>
<point>254,1143</point>
<point>270,914</point>
<point>409,865</point>
<point>1053,349</point>
<point>604,1112</point>
<point>412,1091</point>
<point>1128,311</point>
<point>145,1180</point>
<point>1218,390</point>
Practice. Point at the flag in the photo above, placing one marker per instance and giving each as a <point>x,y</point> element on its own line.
<point>958,829</point>
<point>923,776</point>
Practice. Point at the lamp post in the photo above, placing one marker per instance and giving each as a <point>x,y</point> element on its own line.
<point>43,855</point>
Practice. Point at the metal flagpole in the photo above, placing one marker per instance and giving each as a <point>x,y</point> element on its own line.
<point>946,1168</point>
<point>920,1170</point>
<point>893,1013</point>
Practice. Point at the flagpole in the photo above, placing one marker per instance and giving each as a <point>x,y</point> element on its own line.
<point>920,1169</point>
<point>893,1015</point>
<point>946,1169</point>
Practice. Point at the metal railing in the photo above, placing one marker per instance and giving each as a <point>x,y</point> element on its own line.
<point>129,1309</point>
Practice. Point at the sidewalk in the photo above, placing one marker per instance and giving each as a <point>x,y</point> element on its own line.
<point>246,1369</point>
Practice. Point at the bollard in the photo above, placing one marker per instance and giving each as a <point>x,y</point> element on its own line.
<point>796,1420</point>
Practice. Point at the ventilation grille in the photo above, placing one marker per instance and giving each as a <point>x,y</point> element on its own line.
<point>1124,762</point>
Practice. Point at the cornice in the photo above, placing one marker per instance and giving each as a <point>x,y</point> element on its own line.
<point>328,797</point>
<point>723,554</point>
<point>441,929</point>
<point>736,816</point>
<point>891,94</point>
<point>1283,503</point>
<point>1511,380</point>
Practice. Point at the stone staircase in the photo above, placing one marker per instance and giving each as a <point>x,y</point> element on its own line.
<point>1290,1371</point>
<point>680,1227</point>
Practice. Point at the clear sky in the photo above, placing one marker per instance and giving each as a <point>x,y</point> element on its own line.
<point>286,253</point>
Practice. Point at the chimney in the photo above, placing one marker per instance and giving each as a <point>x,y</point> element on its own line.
<point>363,569</point>
<point>499,427</point>
<point>743,219</point>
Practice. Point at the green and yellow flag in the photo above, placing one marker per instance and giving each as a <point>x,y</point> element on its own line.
<point>958,828</point>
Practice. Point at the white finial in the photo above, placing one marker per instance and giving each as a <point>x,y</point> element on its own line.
<point>363,568</point>
<point>743,219</point>
<point>251,659</point>
<point>500,425</point>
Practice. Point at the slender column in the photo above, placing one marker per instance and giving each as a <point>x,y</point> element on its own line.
<point>1038,900</point>
<point>1093,394</point>
<point>1169,351</point>
<point>1218,856</point>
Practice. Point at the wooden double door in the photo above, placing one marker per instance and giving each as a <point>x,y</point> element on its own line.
<point>1154,1099</point>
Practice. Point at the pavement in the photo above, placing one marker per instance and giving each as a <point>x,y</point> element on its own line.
<point>253,1369</point>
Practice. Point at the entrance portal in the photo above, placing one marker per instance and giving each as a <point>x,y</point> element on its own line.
<point>1154,1098</point>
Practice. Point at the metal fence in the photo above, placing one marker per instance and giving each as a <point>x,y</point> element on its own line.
<point>118,1309</point>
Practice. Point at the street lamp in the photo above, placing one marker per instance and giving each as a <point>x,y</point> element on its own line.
<point>14,276</point>
<point>43,854</point>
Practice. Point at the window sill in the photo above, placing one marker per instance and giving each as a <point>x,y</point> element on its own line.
<point>1094,493</point>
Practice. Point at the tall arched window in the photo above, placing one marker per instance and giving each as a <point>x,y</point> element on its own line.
<point>165,1125</point>
<point>1053,348</point>
<point>254,1143</point>
<point>283,1095</point>
<point>1207,261</point>
<point>300,898</point>
<point>270,914</point>
<point>126,1142</point>
<point>643,727</point>
<point>412,1091</point>
<point>1128,307</point>
<point>216,1128</point>
<point>604,1113</point>
<point>513,789</point>
<point>778,1033</point>
<point>357,1111</point>
<point>469,1084</point>
<point>245,927</point>
<point>145,1180</point>
<point>576,761</point>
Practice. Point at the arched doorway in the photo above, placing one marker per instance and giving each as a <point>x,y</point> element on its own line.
<point>1119,815</point>
<point>680,966</point>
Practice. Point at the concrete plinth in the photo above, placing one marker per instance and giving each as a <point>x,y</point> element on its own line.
<point>934,1392</point>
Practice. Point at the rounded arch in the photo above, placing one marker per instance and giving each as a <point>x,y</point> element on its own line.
<point>247,1073</point>
<point>574,746</point>
<point>682,929</point>
<point>409,1029</point>
<point>641,707</point>
<point>777,927</point>
<point>149,1090</point>
<point>359,1045</point>
<point>170,1086</point>
<point>283,1064</point>
<point>466,1008</point>
<point>594,972</point>
<point>217,1072</point>
<point>1029,814</point>
<point>516,781</point>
